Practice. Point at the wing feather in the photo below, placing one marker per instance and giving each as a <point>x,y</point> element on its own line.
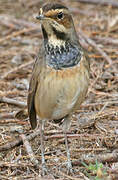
<point>31,94</point>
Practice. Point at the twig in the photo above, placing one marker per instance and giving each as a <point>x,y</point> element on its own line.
<point>18,141</point>
<point>104,93</point>
<point>93,44</point>
<point>106,40</point>
<point>12,101</point>
<point>17,69</point>
<point>7,115</point>
<point>14,34</point>
<point>58,136</point>
<point>17,24</point>
<point>108,157</point>
<point>18,164</point>
<point>89,149</point>
<point>7,121</point>
<point>103,2</point>
<point>29,150</point>
<point>99,103</point>
<point>25,23</point>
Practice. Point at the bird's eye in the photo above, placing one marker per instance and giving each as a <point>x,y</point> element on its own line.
<point>60,15</point>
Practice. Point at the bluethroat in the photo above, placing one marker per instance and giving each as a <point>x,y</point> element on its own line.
<point>60,76</point>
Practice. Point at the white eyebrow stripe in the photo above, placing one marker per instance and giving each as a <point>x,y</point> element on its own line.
<point>41,11</point>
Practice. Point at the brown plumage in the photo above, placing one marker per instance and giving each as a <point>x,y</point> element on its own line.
<point>60,77</point>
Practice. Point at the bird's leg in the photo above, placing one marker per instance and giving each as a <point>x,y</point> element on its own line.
<point>66,125</point>
<point>69,164</point>
<point>44,170</point>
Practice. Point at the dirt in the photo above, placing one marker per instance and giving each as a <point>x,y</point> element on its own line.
<point>93,136</point>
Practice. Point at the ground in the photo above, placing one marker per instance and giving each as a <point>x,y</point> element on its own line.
<point>93,136</point>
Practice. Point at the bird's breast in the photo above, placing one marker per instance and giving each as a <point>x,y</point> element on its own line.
<point>59,92</point>
<point>62,56</point>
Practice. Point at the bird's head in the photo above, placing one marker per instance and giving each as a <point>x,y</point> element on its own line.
<point>57,23</point>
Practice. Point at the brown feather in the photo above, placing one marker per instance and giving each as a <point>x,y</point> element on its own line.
<point>31,94</point>
<point>60,91</point>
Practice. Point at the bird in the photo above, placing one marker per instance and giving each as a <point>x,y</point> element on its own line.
<point>60,76</point>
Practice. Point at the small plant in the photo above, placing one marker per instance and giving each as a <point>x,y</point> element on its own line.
<point>95,171</point>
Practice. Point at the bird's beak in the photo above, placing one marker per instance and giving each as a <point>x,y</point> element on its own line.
<point>40,17</point>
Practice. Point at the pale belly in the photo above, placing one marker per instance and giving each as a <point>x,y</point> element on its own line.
<point>60,93</point>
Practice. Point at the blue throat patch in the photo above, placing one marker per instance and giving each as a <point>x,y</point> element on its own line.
<point>63,56</point>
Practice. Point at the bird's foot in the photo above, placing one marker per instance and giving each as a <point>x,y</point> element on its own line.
<point>44,169</point>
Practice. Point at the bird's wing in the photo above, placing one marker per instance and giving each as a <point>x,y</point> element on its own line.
<point>31,94</point>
